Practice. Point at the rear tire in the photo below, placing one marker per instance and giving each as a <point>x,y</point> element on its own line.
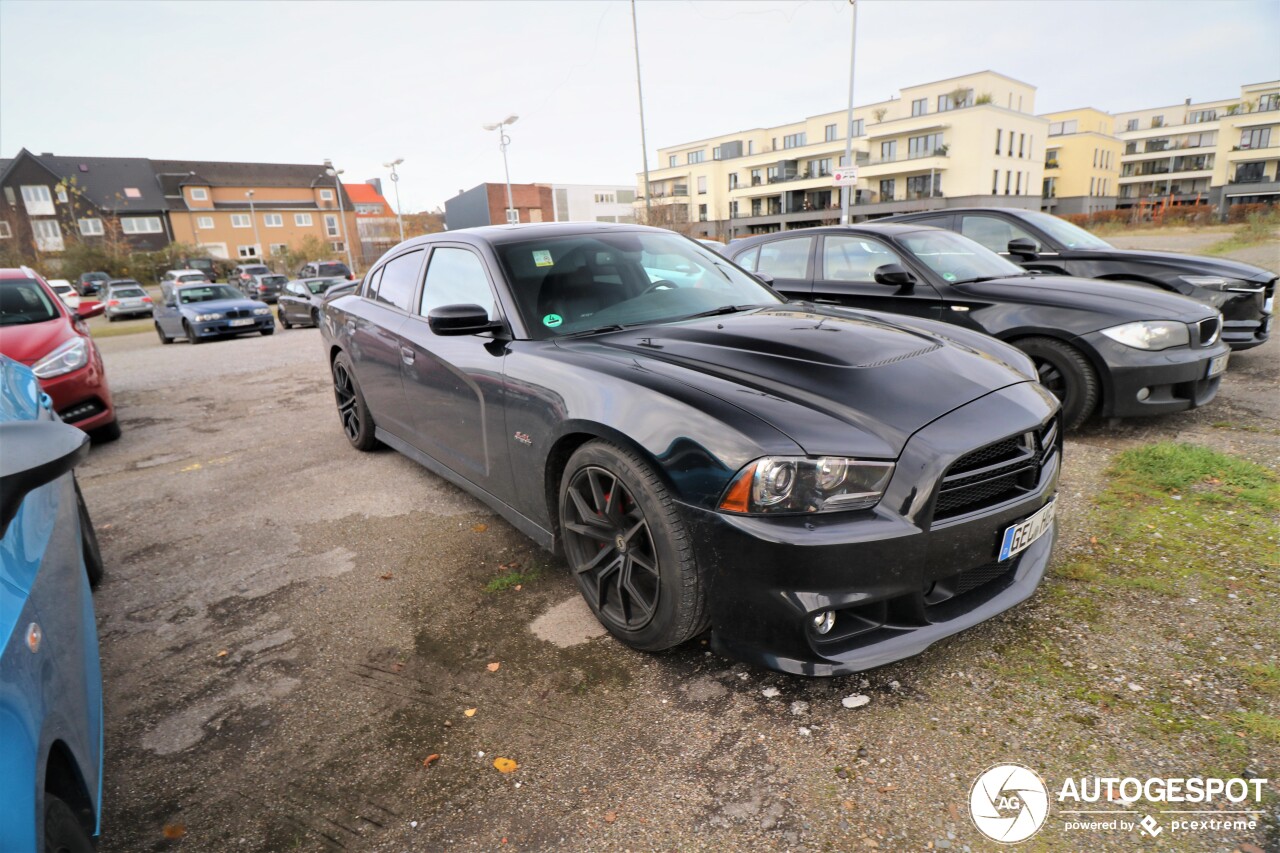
<point>629,550</point>
<point>1068,375</point>
<point>353,412</point>
<point>164,339</point>
<point>89,543</point>
<point>63,833</point>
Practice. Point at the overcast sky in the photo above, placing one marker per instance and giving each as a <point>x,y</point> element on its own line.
<point>363,83</point>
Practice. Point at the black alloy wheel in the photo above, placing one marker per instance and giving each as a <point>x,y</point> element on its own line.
<point>357,423</point>
<point>1066,374</point>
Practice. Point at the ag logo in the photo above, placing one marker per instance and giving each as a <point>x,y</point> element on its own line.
<point>1009,803</point>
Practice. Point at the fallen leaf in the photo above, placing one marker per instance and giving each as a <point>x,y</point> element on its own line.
<point>504,840</point>
<point>610,817</point>
<point>431,759</point>
<point>387,576</point>
<point>887,788</point>
<point>470,712</point>
<point>480,528</point>
<point>222,654</point>
<point>953,811</point>
<point>1093,540</point>
<point>505,765</point>
<point>847,805</point>
<point>513,565</point>
<point>174,830</point>
<point>493,667</point>
<point>518,586</point>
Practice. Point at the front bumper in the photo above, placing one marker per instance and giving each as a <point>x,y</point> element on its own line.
<point>215,328</point>
<point>1175,379</point>
<point>81,397</point>
<point>129,312</point>
<point>897,580</point>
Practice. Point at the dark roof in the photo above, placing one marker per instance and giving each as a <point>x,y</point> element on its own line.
<point>174,174</point>
<point>103,180</point>
<point>267,205</point>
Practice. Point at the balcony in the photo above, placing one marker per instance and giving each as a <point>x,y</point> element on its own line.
<point>940,151</point>
<point>1051,164</point>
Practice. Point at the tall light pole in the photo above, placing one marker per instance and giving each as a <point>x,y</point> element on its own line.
<point>254,219</point>
<point>395,182</point>
<point>847,192</point>
<point>644,146</point>
<point>342,211</point>
<point>503,142</point>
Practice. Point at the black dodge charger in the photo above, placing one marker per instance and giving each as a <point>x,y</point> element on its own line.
<point>825,490</point>
<point>1116,349</point>
<point>1042,242</point>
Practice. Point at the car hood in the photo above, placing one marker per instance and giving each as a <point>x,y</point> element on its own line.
<point>1193,264</point>
<point>812,374</point>
<point>1105,302</point>
<point>219,305</point>
<point>33,341</point>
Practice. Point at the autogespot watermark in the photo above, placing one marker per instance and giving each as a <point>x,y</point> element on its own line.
<point>1010,803</point>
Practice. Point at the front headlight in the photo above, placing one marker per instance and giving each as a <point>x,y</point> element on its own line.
<point>796,484</point>
<point>1213,282</point>
<point>205,318</point>
<point>1150,334</point>
<point>72,355</point>
<point>262,310</point>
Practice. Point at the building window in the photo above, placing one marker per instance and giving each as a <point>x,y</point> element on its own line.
<point>947,102</point>
<point>998,134</point>
<point>48,235</point>
<point>132,192</point>
<point>37,200</point>
<point>278,248</point>
<point>733,210</point>
<point>887,190</point>
<point>1200,116</point>
<point>5,231</point>
<point>331,225</point>
<point>829,133</point>
<point>702,213</point>
<point>702,185</point>
<point>920,106</point>
<point>671,161</point>
<point>241,220</point>
<point>1050,188</point>
<point>1131,124</point>
<point>1022,143</point>
<point>1258,137</point>
<point>1051,158</point>
<point>326,195</point>
<point>755,207</point>
<point>755,177</point>
<point>924,146</point>
<point>302,220</point>
<point>924,186</point>
<point>1061,128</point>
<point>1008,181</point>
<point>91,227</point>
<point>62,193</point>
<point>771,174</point>
<point>339,246</point>
<point>141,225</point>
<point>856,128</point>
<point>247,251</point>
<point>1018,189</point>
<point>199,194</point>
<point>995,182</point>
<point>1269,102</point>
<point>696,157</point>
<point>820,168</point>
<point>1157,121</point>
<point>889,151</point>
<point>793,140</point>
<point>273,220</point>
<point>9,196</point>
<point>205,222</point>
<point>733,180</point>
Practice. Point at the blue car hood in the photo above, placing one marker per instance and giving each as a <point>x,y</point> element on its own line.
<point>221,305</point>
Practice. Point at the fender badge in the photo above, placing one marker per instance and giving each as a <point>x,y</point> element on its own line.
<point>523,438</point>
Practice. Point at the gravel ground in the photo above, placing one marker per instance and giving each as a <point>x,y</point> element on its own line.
<point>291,630</point>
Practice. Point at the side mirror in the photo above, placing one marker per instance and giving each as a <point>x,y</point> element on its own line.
<point>894,276</point>
<point>1023,247</point>
<point>85,310</point>
<point>764,278</point>
<point>36,453</point>
<point>460,320</point>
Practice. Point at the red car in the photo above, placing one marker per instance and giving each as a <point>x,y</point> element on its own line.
<point>39,330</point>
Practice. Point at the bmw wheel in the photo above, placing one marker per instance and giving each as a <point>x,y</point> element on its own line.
<point>1067,374</point>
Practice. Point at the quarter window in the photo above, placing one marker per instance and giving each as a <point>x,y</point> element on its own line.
<point>456,277</point>
<point>400,279</point>
<point>787,258</point>
<point>855,258</point>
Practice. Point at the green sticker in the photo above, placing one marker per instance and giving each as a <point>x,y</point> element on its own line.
<point>949,276</point>
<point>552,320</point>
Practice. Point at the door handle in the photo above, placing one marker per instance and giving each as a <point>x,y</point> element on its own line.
<point>406,355</point>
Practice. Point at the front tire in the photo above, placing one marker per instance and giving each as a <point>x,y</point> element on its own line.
<point>1068,375</point>
<point>284,319</point>
<point>353,412</point>
<point>192,337</point>
<point>630,551</point>
<point>63,833</point>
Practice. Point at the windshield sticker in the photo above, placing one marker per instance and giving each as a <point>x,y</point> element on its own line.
<point>552,320</point>
<point>949,276</point>
<point>543,258</point>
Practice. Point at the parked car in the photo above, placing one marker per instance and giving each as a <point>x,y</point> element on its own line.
<point>50,676</point>
<point>300,301</point>
<point>66,292</point>
<point>208,266</point>
<point>1118,350</point>
<point>242,274</point>
<point>318,269</point>
<point>1040,241</point>
<point>37,329</point>
<point>265,287</point>
<point>199,312</point>
<point>183,277</point>
<point>126,298</point>
<point>90,283</point>
<point>796,478</point>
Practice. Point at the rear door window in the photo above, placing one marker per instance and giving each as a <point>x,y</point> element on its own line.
<point>788,258</point>
<point>992,232</point>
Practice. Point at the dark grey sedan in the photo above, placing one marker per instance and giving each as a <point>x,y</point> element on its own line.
<point>300,300</point>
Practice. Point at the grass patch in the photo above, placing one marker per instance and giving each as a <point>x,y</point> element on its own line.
<point>106,329</point>
<point>513,576</point>
<point>1258,228</point>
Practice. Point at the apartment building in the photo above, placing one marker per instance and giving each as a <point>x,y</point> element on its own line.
<point>1219,152</point>
<point>593,203</point>
<point>1081,162</point>
<point>486,204</point>
<point>967,140</point>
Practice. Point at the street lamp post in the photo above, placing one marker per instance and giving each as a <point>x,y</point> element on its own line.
<point>342,211</point>
<point>848,193</point>
<point>503,142</point>
<point>395,182</point>
<point>254,219</point>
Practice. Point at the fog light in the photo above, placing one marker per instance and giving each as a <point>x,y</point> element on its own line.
<point>824,622</point>
<point>1144,393</point>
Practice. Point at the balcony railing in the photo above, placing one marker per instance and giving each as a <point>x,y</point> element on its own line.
<point>940,151</point>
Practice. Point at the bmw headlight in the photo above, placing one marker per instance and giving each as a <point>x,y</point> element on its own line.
<point>1150,334</point>
<point>72,355</point>
<point>205,318</point>
<point>797,484</point>
<point>262,310</point>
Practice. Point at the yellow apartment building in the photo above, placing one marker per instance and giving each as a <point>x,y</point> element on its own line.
<point>1081,162</point>
<point>969,140</point>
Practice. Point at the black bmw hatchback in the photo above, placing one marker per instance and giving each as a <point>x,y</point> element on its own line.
<point>1116,349</point>
<point>1040,241</point>
<point>825,490</point>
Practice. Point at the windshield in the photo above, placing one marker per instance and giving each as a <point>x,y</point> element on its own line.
<point>333,269</point>
<point>191,278</point>
<point>95,276</point>
<point>61,288</point>
<point>274,279</point>
<point>1070,236</point>
<point>123,282</point>
<point>128,292</point>
<point>24,301</point>
<point>572,284</point>
<point>208,293</point>
<point>319,286</point>
<point>255,269</point>
<point>955,258</point>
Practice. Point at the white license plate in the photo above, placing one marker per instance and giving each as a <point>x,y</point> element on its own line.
<point>246,322</point>
<point>1020,536</point>
<point>1217,365</point>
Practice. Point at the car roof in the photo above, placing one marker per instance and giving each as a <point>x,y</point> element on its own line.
<point>1012,211</point>
<point>499,234</point>
<point>891,229</point>
<point>19,272</point>
<point>129,281</point>
<point>185,272</point>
